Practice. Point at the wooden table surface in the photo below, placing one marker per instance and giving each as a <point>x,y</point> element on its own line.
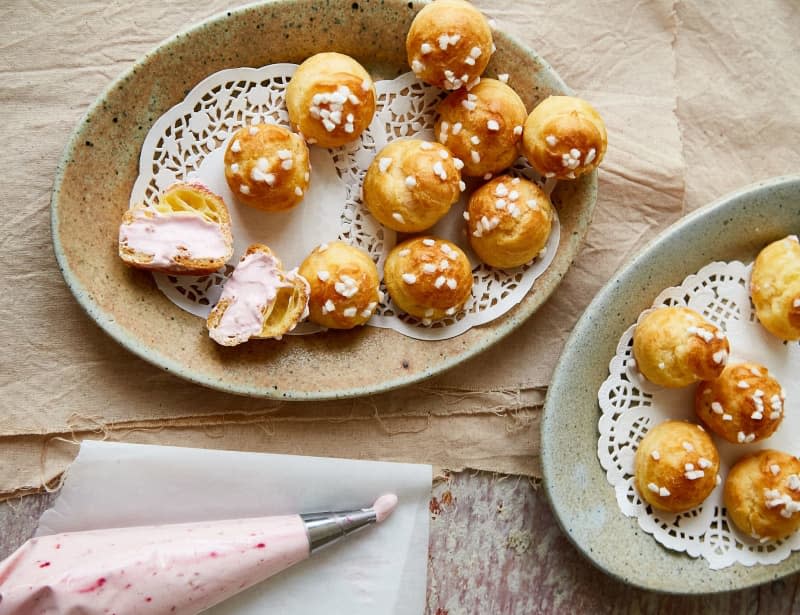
<point>495,549</point>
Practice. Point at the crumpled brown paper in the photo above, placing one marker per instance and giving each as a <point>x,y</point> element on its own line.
<point>698,99</point>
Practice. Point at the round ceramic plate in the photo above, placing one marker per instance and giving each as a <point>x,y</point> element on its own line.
<point>734,228</point>
<point>100,165</point>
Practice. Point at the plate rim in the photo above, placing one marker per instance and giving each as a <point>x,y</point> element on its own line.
<point>107,323</point>
<point>603,300</point>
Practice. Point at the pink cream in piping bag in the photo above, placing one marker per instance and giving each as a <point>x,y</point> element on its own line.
<point>168,569</point>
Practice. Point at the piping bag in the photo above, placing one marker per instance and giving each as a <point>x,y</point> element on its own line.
<point>179,569</point>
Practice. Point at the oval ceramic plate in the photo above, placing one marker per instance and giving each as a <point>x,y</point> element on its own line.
<point>734,228</point>
<point>100,165</point>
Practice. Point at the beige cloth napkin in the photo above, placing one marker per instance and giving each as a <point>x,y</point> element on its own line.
<point>699,98</point>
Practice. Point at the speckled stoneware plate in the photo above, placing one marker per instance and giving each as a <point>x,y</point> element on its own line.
<point>735,227</point>
<point>100,165</point>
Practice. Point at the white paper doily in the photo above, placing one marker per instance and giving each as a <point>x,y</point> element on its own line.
<point>189,140</point>
<point>630,405</point>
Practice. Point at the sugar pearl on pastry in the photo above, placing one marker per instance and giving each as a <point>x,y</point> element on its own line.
<point>449,44</point>
<point>330,99</point>
<point>428,277</point>
<point>487,117</point>
<point>676,346</point>
<point>762,494</point>
<point>415,190</point>
<point>564,137</point>
<point>344,285</point>
<point>775,288</point>
<point>509,227</point>
<point>737,413</point>
<point>267,167</point>
<point>676,466</point>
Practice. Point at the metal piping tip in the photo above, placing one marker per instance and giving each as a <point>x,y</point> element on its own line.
<point>325,528</point>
